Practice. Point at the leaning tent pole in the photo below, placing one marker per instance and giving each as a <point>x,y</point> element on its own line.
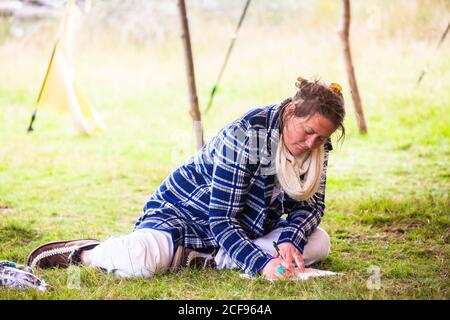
<point>33,116</point>
<point>227,56</point>
<point>344,34</point>
<point>194,108</point>
<point>62,27</point>
<point>425,69</point>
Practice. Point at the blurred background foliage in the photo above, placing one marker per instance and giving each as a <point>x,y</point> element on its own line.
<point>149,22</point>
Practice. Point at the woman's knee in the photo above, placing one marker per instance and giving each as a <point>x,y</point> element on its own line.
<point>318,247</point>
<point>324,241</point>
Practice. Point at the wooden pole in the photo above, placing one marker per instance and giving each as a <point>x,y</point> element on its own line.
<point>194,110</point>
<point>344,32</point>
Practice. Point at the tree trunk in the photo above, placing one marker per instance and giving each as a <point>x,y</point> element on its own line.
<point>194,108</point>
<point>344,34</point>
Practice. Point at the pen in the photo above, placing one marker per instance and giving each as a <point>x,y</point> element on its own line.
<point>278,249</point>
<point>280,269</point>
<point>279,253</point>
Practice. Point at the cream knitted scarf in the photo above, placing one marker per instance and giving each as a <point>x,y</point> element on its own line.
<point>289,169</point>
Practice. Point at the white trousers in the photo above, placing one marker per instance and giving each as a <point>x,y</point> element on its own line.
<point>138,254</point>
<point>146,251</point>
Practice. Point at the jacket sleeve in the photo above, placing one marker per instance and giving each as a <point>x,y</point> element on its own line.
<point>304,217</point>
<point>230,183</point>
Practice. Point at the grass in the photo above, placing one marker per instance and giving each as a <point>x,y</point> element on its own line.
<point>387,192</point>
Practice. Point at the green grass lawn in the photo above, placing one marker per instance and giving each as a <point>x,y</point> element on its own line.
<point>387,192</point>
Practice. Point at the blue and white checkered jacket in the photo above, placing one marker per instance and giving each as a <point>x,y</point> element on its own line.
<point>221,197</point>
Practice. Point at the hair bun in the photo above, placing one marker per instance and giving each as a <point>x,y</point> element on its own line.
<point>300,81</point>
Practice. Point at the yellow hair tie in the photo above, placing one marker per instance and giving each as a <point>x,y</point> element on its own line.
<point>336,87</point>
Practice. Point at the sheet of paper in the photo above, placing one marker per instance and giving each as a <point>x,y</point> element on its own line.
<point>300,276</point>
<point>311,272</point>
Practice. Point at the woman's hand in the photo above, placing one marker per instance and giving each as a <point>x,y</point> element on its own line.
<point>273,268</point>
<point>290,254</point>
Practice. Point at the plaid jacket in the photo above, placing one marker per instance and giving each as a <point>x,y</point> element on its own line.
<point>221,196</point>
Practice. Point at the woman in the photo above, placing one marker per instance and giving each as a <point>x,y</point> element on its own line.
<point>225,205</point>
